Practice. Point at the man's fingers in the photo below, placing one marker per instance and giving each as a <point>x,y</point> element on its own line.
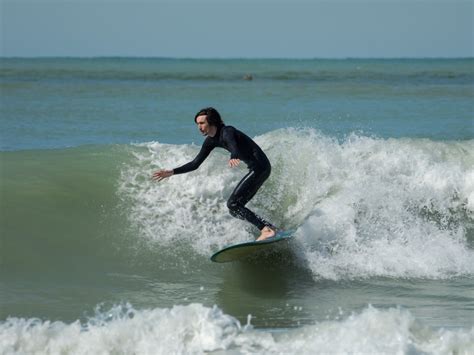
<point>158,176</point>
<point>234,162</point>
<point>161,174</point>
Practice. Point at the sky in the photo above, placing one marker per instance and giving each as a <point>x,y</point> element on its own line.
<point>238,28</point>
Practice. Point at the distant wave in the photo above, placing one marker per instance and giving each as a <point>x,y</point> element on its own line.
<point>322,76</point>
<point>394,71</point>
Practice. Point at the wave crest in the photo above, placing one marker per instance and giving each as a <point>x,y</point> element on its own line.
<point>196,329</point>
<point>362,207</point>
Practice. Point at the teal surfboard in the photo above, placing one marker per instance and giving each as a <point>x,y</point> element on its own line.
<point>242,250</point>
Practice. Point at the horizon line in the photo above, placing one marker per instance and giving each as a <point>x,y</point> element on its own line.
<point>235,58</point>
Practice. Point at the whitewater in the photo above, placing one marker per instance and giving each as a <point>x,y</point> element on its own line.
<point>361,207</point>
<point>195,329</point>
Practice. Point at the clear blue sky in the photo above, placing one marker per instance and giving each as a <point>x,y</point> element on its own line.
<point>238,28</point>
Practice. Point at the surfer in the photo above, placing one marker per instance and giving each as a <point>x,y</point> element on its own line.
<point>241,148</point>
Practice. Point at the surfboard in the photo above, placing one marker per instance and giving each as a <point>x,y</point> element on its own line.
<point>242,250</point>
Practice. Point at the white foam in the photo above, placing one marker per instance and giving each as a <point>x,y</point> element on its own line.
<point>374,207</point>
<point>196,329</point>
<point>363,207</point>
<point>123,330</point>
<point>377,244</point>
<point>188,208</point>
<point>374,331</point>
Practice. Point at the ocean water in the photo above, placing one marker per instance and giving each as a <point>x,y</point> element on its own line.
<point>373,166</point>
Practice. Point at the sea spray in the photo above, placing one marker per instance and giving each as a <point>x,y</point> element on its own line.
<point>394,208</point>
<point>186,208</point>
<point>362,206</point>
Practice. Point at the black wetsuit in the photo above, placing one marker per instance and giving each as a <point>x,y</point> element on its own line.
<point>244,148</point>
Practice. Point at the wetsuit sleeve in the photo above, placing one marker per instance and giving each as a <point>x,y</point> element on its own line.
<point>230,137</point>
<point>206,148</point>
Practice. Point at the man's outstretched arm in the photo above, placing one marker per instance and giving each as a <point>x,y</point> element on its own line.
<point>192,165</point>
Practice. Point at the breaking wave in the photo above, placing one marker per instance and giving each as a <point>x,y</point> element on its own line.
<point>361,206</point>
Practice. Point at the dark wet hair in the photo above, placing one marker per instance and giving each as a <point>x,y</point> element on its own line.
<point>213,117</point>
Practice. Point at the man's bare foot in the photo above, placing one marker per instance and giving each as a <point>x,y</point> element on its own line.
<point>266,233</point>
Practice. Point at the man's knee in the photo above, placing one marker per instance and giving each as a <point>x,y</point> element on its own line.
<point>234,207</point>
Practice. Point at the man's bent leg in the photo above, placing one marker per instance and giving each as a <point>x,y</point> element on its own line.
<point>245,190</point>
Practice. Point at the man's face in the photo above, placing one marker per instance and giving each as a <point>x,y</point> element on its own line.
<point>202,124</point>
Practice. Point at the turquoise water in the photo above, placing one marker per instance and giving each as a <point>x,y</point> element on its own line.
<point>372,166</point>
<point>55,103</point>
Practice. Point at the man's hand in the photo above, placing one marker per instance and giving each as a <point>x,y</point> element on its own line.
<point>162,174</point>
<point>234,162</point>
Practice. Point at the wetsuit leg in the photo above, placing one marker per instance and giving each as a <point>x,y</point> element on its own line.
<point>243,193</point>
